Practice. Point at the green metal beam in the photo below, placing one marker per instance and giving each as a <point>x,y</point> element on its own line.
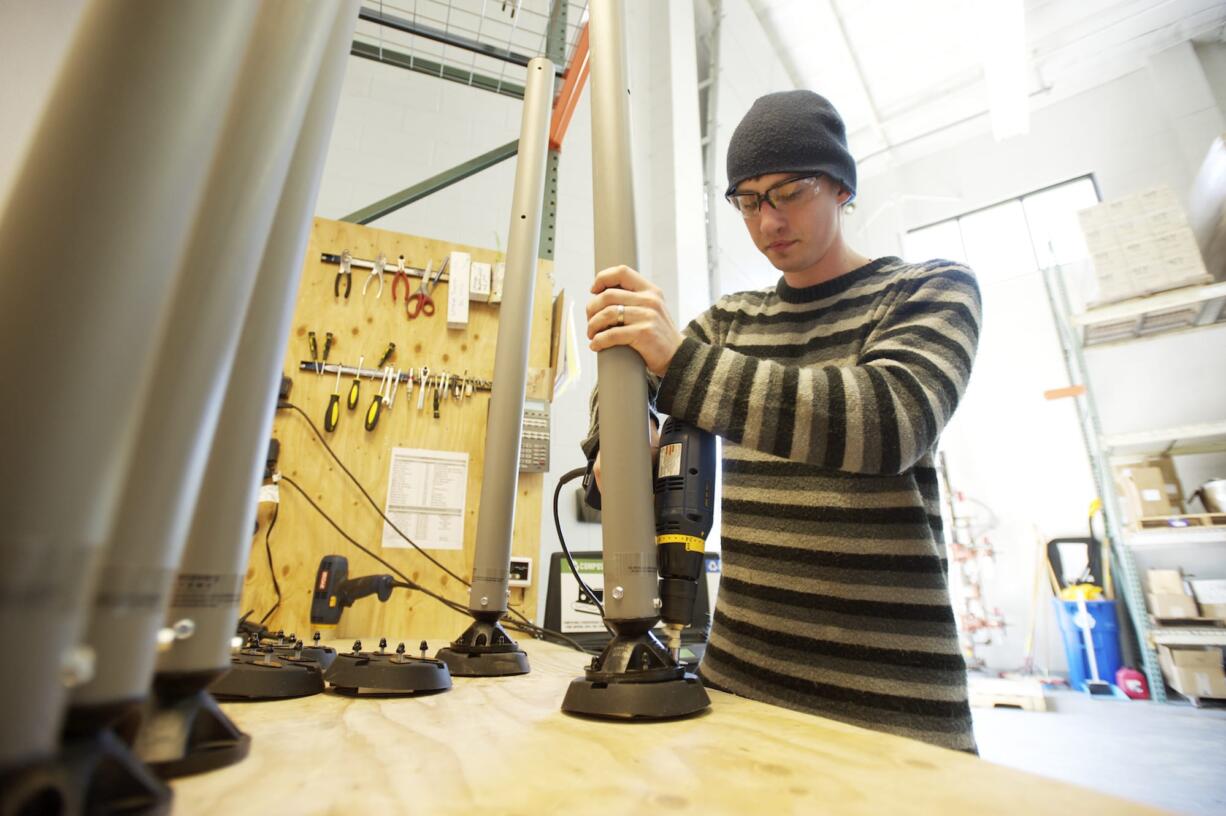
<point>399,59</point>
<point>555,49</point>
<point>433,184</point>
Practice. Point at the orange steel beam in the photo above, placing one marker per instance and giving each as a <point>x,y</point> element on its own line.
<point>572,89</point>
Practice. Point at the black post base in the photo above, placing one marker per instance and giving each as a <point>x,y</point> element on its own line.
<point>635,678</point>
<point>385,673</point>
<point>484,650</point>
<point>109,778</point>
<point>258,675</point>
<point>38,787</point>
<point>185,732</point>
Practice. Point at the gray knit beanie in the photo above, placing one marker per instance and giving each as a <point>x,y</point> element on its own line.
<point>791,132</point>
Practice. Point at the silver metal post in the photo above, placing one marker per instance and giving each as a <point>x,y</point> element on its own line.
<point>210,575</point>
<point>197,353</point>
<point>485,649</point>
<point>115,172</point>
<point>500,479</point>
<point>627,520</point>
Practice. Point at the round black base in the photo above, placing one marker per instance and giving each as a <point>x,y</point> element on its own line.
<point>383,673</point>
<point>267,677</point>
<point>466,662</point>
<point>624,700</point>
<point>212,739</point>
<point>484,650</point>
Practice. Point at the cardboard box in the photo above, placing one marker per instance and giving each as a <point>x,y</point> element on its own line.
<point>1171,606</point>
<point>1170,479</point>
<point>1166,581</point>
<point>1211,597</point>
<point>1192,671</point>
<point>458,270</point>
<point>1143,491</point>
<point>480,281</point>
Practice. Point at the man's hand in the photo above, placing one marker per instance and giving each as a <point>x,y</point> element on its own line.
<point>654,431</point>
<point>628,310</point>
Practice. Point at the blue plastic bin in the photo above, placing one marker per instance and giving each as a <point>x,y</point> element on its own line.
<point>1104,634</point>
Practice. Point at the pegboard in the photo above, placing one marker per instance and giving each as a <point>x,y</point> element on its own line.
<point>363,326</point>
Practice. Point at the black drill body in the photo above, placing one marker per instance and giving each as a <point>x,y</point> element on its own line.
<point>685,510</point>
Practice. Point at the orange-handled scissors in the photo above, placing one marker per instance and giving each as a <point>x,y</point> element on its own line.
<point>420,302</point>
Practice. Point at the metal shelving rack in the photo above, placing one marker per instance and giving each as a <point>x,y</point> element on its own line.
<point>1166,313</point>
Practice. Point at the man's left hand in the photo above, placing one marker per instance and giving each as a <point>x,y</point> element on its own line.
<point>628,310</point>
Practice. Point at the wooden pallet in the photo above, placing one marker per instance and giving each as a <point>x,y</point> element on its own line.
<point>989,692</point>
<point>1187,520</point>
<point>1208,623</point>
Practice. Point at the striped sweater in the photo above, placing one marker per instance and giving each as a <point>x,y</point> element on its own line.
<point>830,400</point>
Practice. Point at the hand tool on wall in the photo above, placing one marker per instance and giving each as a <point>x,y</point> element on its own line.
<point>376,273</point>
<point>314,347</point>
<point>425,384</point>
<point>333,413</point>
<point>401,276</point>
<point>387,355</point>
<point>438,388</point>
<point>393,386</point>
<point>345,272</point>
<point>380,400</point>
<point>351,402</point>
<point>408,385</point>
<point>420,302</point>
<point>327,345</point>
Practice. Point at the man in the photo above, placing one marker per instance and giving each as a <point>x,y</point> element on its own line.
<point>830,390</point>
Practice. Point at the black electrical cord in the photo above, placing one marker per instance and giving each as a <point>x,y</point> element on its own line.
<point>272,570</point>
<point>318,435</point>
<point>360,487</point>
<point>567,477</point>
<point>408,583</point>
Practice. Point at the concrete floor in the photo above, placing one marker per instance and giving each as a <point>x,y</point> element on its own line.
<point>1172,756</point>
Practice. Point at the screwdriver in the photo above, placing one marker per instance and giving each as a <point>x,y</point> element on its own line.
<point>333,414</point>
<point>327,345</point>
<point>314,346</point>
<point>376,405</point>
<point>352,400</point>
<point>387,355</point>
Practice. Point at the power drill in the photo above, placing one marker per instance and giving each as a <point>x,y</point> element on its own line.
<point>335,590</point>
<point>685,510</point>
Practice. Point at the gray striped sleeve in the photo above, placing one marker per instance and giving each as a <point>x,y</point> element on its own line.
<point>879,416</point>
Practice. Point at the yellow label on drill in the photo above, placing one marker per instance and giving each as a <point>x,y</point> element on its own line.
<point>692,543</point>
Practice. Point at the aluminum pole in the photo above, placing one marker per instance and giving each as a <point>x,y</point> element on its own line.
<point>216,552</point>
<point>500,478</point>
<point>627,517</point>
<point>114,174</point>
<point>197,353</point>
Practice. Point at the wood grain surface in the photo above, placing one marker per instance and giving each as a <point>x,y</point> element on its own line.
<point>364,326</point>
<point>503,746</point>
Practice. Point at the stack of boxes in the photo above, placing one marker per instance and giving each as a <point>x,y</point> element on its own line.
<point>1148,488</point>
<point>1141,244</point>
<point>1169,598</point>
<point>1193,671</point>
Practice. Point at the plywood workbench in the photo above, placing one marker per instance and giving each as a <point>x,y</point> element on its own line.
<point>502,746</point>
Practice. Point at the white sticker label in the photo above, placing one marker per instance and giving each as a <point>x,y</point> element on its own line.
<point>1151,495</point>
<point>670,461</point>
<point>270,493</point>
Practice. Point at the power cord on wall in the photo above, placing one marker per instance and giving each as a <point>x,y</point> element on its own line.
<point>523,624</point>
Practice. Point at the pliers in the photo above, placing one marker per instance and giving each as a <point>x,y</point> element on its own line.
<point>376,272</point>
<point>346,272</point>
<point>402,274</point>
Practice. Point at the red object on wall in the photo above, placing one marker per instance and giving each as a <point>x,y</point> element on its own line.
<point>1132,683</point>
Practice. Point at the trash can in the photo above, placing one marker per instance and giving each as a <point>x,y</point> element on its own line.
<point>1104,634</point>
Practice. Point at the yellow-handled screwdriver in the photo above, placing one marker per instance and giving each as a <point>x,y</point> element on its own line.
<point>351,401</point>
<point>333,414</point>
<point>376,405</point>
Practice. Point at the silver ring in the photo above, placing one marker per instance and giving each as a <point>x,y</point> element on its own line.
<point>621,314</point>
